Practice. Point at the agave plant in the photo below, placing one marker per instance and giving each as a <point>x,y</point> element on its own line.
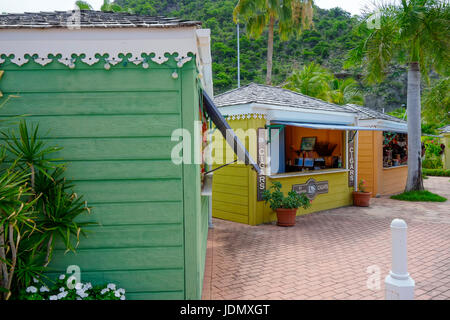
<point>58,211</point>
<point>30,151</point>
<point>37,206</point>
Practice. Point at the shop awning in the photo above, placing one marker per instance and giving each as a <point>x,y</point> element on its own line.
<point>325,126</point>
<point>224,127</point>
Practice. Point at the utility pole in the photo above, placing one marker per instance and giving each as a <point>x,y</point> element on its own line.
<point>238,59</point>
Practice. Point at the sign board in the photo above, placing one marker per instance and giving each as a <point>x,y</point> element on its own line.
<point>351,158</point>
<point>311,188</point>
<point>261,162</point>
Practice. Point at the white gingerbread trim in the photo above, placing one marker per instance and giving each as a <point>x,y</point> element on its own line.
<point>43,46</point>
<point>243,116</point>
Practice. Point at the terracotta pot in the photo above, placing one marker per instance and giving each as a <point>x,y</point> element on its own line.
<point>361,199</point>
<point>286,217</point>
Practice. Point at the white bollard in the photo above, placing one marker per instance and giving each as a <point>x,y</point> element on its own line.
<point>399,285</point>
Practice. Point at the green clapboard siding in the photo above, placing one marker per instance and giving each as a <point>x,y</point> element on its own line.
<point>115,127</point>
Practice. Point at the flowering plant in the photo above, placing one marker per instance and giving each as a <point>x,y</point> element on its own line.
<point>63,290</point>
<point>362,185</point>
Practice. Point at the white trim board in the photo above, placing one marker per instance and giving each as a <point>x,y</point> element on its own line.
<point>284,113</point>
<point>66,42</point>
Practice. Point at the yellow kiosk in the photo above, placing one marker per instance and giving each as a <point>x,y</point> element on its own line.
<point>306,144</point>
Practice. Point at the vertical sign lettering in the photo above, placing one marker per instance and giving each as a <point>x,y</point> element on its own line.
<point>351,158</point>
<point>261,157</point>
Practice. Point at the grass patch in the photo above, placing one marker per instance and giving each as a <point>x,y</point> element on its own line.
<point>419,196</point>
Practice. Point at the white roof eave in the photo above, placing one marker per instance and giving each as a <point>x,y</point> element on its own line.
<point>384,125</point>
<point>285,113</point>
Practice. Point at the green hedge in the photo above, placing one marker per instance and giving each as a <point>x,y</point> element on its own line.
<point>436,172</point>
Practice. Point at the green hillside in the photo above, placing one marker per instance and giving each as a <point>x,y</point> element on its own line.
<point>327,44</point>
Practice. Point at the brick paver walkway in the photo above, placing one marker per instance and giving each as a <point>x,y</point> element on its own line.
<point>326,255</point>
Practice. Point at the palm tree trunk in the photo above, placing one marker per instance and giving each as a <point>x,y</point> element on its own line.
<point>270,51</point>
<point>414,181</point>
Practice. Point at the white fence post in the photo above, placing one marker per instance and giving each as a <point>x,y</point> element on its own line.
<point>399,285</point>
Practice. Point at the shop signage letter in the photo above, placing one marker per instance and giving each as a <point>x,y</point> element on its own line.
<point>262,156</point>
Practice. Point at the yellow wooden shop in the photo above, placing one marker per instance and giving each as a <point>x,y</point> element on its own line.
<point>306,144</point>
<point>382,154</point>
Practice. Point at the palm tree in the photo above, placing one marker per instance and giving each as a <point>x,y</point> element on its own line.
<point>312,80</point>
<point>108,6</point>
<point>83,5</point>
<point>414,33</point>
<point>293,16</point>
<point>346,91</point>
<point>315,81</point>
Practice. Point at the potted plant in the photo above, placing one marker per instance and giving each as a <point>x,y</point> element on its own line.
<point>285,207</point>
<point>361,198</point>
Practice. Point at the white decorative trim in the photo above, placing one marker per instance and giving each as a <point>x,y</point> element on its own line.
<point>43,46</point>
<point>243,116</point>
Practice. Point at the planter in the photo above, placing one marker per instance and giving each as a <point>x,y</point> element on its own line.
<point>361,199</point>
<point>286,217</point>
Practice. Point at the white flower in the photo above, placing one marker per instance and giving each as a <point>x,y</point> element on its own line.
<point>62,277</point>
<point>80,292</point>
<point>53,298</point>
<point>61,289</point>
<point>35,280</point>
<point>83,294</point>
<point>44,289</point>
<point>87,286</point>
<point>62,295</point>
<point>31,289</point>
<point>111,286</point>
<point>78,286</point>
<point>117,294</point>
<point>104,291</point>
<point>122,298</point>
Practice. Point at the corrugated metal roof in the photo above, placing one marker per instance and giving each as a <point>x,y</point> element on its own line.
<point>89,19</point>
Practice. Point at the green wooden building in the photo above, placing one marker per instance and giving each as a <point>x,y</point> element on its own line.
<point>110,88</point>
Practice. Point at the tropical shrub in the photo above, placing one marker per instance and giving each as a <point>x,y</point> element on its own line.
<point>277,200</point>
<point>37,208</point>
<point>433,152</point>
<point>63,290</point>
<point>436,172</point>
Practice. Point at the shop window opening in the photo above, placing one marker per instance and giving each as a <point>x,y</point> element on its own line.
<point>395,149</point>
<point>299,149</point>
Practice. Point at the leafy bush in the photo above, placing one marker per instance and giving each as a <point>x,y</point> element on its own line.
<point>277,199</point>
<point>60,290</point>
<point>436,172</point>
<point>432,163</point>
<point>433,151</point>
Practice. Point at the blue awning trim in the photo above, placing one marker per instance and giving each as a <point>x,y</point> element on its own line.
<point>330,126</point>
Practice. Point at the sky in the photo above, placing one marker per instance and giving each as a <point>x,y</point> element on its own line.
<point>18,6</point>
